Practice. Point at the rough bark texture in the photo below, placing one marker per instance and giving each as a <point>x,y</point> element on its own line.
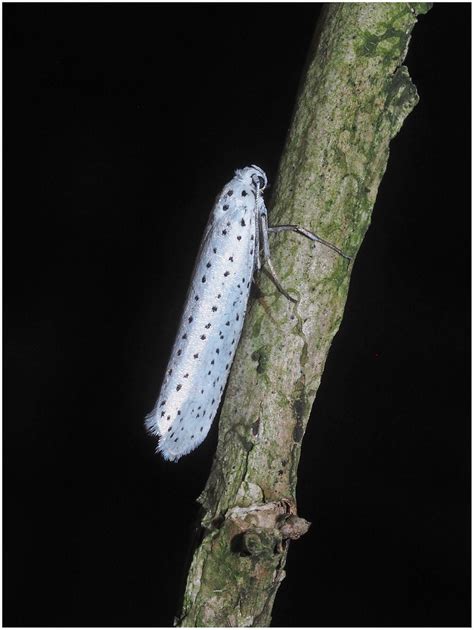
<point>353,100</point>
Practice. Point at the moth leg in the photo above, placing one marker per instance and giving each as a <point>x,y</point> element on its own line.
<point>257,262</point>
<point>308,234</point>
<point>270,271</point>
<point>266,256</point>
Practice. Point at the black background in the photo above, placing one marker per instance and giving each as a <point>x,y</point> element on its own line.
<point>121,124</point>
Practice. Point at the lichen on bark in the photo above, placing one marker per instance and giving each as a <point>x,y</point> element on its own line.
<point>354,97</point>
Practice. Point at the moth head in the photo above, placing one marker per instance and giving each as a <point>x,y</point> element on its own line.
<point>253,176</point>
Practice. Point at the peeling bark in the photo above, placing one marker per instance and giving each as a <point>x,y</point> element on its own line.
<point>354,98</point>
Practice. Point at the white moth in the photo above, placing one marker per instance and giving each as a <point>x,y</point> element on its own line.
<point>214,313</point>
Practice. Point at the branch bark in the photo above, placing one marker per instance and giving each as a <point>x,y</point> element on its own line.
<point>353,100</point>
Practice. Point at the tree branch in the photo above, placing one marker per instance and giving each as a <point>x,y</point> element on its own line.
<point>353,100</point>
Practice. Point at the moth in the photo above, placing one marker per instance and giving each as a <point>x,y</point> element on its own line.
<point>235,246</point>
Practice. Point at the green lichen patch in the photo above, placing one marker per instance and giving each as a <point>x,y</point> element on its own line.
<point>261,357</point>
